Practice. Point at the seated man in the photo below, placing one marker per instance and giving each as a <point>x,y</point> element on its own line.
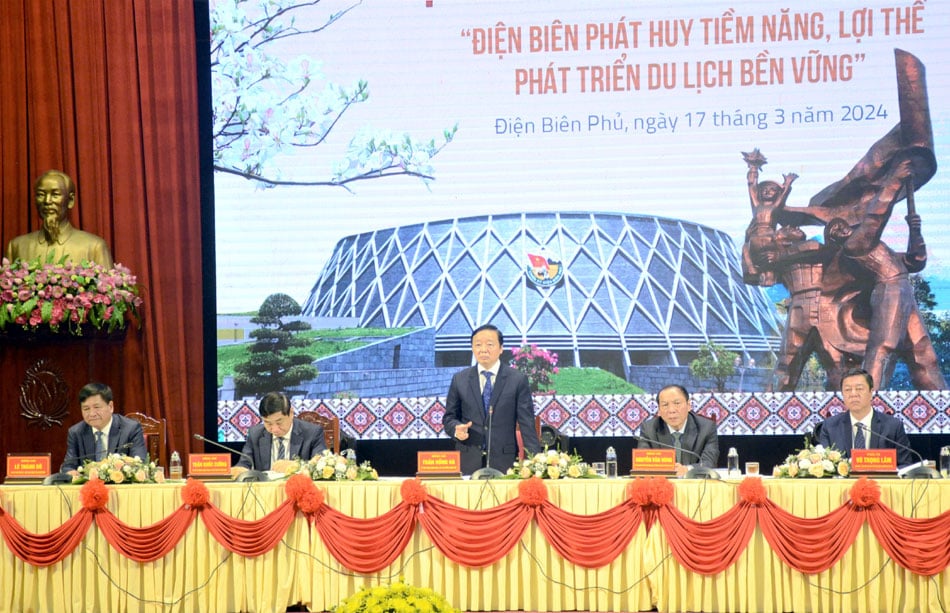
<point>861,427</point>
<point>280,438</point>
<point>675,425</point>
<point>101,432</point>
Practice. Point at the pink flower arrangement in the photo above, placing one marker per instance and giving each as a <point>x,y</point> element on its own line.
<point>535,363</point>
<point>35,295</point>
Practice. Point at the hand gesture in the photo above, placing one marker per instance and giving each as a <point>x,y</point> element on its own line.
<point>461,431</point>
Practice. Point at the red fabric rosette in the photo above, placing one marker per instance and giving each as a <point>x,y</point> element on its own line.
<point>653,491</point>
<point>306,496</point>
<point>298,486</point>
<point>865,493</point>
<point>195,494</point>
<point>752,490</point>
<point>413,491</point>
<point>94,495</point>
<point>662,491</point>
<point>311,501</point>
<point>533,492</point>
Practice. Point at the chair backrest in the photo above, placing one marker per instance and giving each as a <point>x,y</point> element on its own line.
<point>331,428</point>
<point>520,441</point>
<point>154,431</point>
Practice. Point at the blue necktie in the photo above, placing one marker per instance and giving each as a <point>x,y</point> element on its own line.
<point>486,391</point>
<point>860,442</point>
<point>281,449</point>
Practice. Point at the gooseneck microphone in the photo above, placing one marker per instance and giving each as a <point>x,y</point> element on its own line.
<point>917,472</point>
<point>488,472</point>
<point>696,472</point>
<point>247,475</point>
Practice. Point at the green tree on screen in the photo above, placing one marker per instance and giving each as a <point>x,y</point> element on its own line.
<point>938,327</point>
<point>714,362</point>
<point>265,104</point>
<point>271,365</point>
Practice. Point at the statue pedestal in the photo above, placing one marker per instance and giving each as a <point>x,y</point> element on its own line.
<point>42,374</point>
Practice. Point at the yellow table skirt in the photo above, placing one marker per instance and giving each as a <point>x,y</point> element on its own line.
<point>201,575</point>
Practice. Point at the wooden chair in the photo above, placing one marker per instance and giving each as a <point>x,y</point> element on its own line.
<point>331,428</point>
<point>154,431</point>
<point>520,441</point>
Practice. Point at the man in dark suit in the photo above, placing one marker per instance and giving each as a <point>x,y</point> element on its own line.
<point>508,396</point>
<point>698,440</point>
<point>101,432</point>
<point>877,430</point>
<point>280,438</point>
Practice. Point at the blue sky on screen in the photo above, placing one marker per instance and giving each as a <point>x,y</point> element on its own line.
<point>428,69</point>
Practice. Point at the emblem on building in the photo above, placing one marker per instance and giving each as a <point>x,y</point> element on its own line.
<point>544,268</point>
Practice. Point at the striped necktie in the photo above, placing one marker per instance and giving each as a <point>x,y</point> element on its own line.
<point>860,441</point>
<point>100,446</point>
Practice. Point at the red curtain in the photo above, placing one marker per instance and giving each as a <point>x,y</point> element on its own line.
<point>106,91</point>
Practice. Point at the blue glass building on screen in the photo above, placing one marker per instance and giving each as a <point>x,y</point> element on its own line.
<point>610,290</point>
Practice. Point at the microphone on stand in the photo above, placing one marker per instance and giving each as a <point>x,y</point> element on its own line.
<point>247,475</point>
<point>488,472</point>
<point>696,472</point>
<point>917,472</point>
<point>64,477</point>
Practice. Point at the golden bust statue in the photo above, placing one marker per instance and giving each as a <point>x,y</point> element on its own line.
<point>54,194</point>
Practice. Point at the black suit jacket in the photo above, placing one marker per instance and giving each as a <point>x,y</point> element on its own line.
<point>699,437</point>
<point>512,404</point>
<point>125,437</point>
<point>836,430</point>
<point>306,441</point>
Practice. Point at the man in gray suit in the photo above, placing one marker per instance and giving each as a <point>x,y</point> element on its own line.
<point>281,437</point>
<point>698,441</point>
<point>504,392</point>
<point>101,432</point>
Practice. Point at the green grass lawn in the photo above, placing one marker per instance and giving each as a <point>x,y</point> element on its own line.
<point>568,382</point>
<point>323,343</point>
<point>583,381</point>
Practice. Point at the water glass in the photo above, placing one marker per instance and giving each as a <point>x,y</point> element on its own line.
<point>752,468</point>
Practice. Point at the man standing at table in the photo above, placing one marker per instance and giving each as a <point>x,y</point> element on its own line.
<point>280,438</point>
<point>676,426</point>
<point>489,392</point>
<point>861,427</point>
<point>101,432</point>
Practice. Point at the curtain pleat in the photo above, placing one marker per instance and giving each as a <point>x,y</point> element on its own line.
<point>107,92</point>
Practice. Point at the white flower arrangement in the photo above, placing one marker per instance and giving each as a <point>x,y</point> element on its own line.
<point>814,461</point>
<point>117,468</point>
<point>329,466</point>
<point>551,464</point>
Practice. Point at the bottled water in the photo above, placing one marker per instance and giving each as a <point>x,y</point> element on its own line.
<point>611,463</point>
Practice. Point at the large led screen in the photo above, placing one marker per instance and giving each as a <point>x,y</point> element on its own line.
<point>574,172</point>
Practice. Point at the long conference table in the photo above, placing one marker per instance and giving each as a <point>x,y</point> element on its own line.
<point>199,573</point>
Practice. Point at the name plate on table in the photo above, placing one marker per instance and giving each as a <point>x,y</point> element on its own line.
<point>877,462</point>
<point>439,465</point>
<point>27,467</point>
<point>653,462</point>
<point>209,465</point>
